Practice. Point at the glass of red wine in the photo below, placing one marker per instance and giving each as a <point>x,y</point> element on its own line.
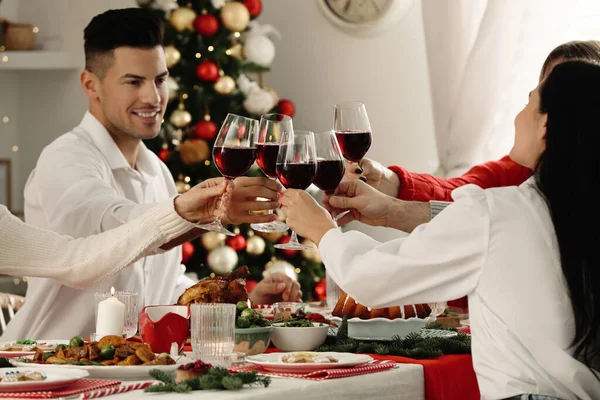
<point>296,169</point>
<point>234,153</point>
<point>330,162</point>
<point>352,129</point>
<point>272,126</point>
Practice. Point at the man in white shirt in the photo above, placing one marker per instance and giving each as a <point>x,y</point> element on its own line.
<point>101,175</point>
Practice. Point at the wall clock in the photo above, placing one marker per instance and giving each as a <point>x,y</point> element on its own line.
<point>365,17</point>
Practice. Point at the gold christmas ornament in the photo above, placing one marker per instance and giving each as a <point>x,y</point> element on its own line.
<point>273,93</point>
<point>311,254</point>
<point>193,151</point>
<point>225,85</point>
<point>212,240</point>
<point>272,237</point>
<point>173,88</point>
<point>182,187</point>
<point>255,245</point>
<point>180,118</point>
<point>183,18</point>
<point>282,267</point>
<point>222,260</point>
<point>235,16</point>
<point>236,51</point>
<point>172,56</point>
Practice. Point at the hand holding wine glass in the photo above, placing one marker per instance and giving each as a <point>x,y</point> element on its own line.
<point>296,169</point>
<point>233,154</point>
<point>352,129</point>
<point>330,162</point>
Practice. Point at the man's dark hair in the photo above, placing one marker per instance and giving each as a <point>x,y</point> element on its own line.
<point>127,27</point>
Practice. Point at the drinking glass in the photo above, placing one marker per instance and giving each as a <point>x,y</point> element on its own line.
<point>296,169</point>
<point>130,300</point>
<point>352,129</point>
<point>267,147</point>
<point>213,332</point>
<point>333,291</point>
<point>233,154</point>
<point>330,162</point>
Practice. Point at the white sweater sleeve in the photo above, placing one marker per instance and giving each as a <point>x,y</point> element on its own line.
<point>438,261</point>
<point>29,251</point>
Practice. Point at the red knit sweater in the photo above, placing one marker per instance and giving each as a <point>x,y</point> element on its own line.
<point>424,187</point>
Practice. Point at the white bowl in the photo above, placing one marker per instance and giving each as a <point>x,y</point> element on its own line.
<point>383,328</point>
<point>299,339</point>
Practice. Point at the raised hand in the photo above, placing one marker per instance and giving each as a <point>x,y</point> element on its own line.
<point>375,174</point>
<point>200,204</point>
<point>244,199</point>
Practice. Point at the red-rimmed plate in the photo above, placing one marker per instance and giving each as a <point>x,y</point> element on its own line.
<point>272,362</point>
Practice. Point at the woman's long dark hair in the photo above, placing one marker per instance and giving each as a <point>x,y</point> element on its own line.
<point>568,175</point>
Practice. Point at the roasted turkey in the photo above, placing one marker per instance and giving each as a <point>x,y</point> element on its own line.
<point>229,288</point>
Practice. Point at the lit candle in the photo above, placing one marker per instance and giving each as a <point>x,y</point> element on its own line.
<point>111,316</point>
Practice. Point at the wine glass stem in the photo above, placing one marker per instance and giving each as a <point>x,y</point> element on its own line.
<point>218,219</point>
<point>294,238</point>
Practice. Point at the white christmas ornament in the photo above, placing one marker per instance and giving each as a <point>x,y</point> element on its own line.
<point>245,84</point>
<point>173,87</point>
<point>222,260</point>
<point>283,267</point>
<point>258,101</point>
<point>165,5</point>
<point>217,3</point>
<point>258,47</point>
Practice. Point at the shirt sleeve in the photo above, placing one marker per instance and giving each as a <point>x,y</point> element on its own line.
<point>30,251</point>
<point>78,199</point>
<point>425,187</point>
<point>438,261</point>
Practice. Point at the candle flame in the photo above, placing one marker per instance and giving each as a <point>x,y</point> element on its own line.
<point>249,304</point>
<point>112,291</point>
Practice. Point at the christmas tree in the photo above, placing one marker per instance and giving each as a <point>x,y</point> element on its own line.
<point>217,54</point>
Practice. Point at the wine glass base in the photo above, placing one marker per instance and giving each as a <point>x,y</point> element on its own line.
<point>293,246</point>
<point>216,226</point>
<point>274,226</point>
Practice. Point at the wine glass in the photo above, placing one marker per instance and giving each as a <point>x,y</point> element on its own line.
<point>233,154</point>
<point>352,129</point>
<point>296,169</point>
<point>267,147</point>
<point>330,162</point>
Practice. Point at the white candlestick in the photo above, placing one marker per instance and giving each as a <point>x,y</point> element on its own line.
<point>111,316</point>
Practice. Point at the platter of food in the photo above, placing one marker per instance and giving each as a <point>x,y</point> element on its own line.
<point>304,362</point>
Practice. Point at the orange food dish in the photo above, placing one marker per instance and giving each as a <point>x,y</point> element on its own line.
<point>346,305</point>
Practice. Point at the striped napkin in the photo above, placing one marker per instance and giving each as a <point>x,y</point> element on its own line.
<point>86,388</point>
<point>323,374</point>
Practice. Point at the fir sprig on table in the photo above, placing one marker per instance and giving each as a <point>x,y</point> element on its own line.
<point>413,345</point>
<point>215,379</point>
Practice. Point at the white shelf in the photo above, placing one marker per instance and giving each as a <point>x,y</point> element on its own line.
<point>37,60</point>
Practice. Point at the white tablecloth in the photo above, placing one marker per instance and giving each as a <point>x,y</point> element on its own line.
<point>404,383</point>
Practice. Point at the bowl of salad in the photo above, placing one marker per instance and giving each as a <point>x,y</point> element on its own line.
<point>252,330</point>
<point>300,332</point>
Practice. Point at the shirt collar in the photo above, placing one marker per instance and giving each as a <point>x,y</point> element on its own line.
<point>109,149</point>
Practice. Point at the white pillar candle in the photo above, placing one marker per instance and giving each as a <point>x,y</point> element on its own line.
<point>111,316</point>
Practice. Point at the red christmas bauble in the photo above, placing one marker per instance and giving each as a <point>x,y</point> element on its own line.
<point>286,107</point>
<point>237,242</point>
<point>321,290</point>
<point>163,154</point>
<point>207,71</point>
<point>205,130</point>
<point>187,251</point>
<point>254,7</point>
<point>287,252</point>
<point>250,285</point>
<point>206,24</point>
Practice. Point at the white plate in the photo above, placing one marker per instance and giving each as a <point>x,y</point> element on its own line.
<point>55,378</point>
<point>12,354</point>
<point>132,372</point>
<point>272,362</point>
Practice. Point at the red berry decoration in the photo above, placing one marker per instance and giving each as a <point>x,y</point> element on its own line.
<point>254,7</point>
<point>206,24</point>
<point>321,290</point>
<point>286,107</point>
<point>205,130</point>
<point>287,252</point>
<point>163,154</point>
<point>237,242</point>
<point>207,71</point>
<point>187,251</point>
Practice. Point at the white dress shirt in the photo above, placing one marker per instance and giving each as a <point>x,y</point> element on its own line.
<point>498,247</point>
<point>83,185</point>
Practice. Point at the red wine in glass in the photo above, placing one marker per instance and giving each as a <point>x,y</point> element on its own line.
<point>296,175</point>
<point>266,158</point>
<point>234,161</point>
<point>354,144</point>
<point>329,174</point>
